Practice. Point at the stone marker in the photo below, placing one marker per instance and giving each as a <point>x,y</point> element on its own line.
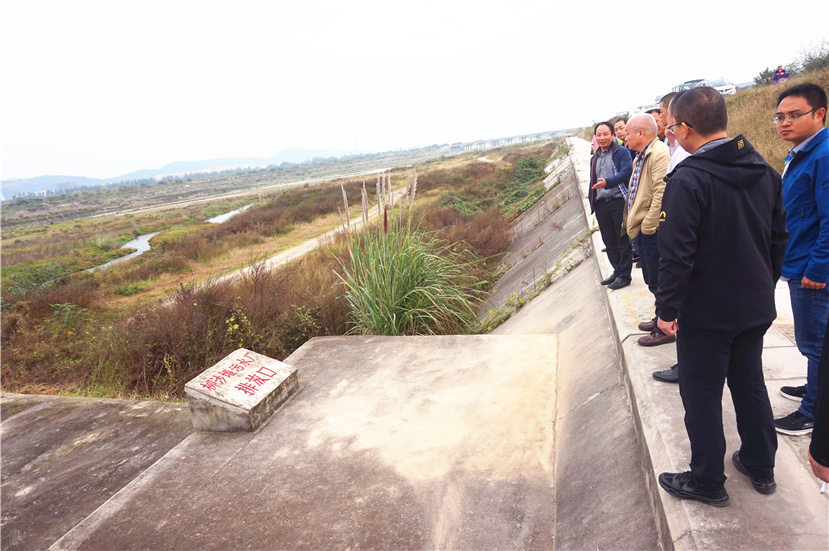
<point>240,392</point>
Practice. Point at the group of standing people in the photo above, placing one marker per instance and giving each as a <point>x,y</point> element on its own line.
<point>714,228</point>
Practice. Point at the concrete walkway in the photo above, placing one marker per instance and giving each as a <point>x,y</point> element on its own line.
<point>794,517</point>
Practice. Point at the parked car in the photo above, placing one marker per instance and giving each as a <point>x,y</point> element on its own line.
<point>723,86</point>
<point>688,84</point>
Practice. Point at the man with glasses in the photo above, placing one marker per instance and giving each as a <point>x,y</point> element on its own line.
<point>721,241</point>
<point>800,119</point>
<point>678,154</point>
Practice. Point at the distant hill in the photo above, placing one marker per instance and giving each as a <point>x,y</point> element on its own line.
<point>44,183</point>
<point>8,188</point>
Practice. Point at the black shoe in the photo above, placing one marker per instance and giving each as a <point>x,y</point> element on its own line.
<point>796,393</point>
<point>794,424</point>
<point>670,375</point>
<point>681,485</point>
<point>609,279</point>
<point>761,484</point>
<point>638,263</point>
<point>619,283</point>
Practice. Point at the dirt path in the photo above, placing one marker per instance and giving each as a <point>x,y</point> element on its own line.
<point>304,248</point>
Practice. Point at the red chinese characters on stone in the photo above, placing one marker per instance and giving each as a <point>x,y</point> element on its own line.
<point>256,380</point>
<point>217,380</point>
<point>248,389</point>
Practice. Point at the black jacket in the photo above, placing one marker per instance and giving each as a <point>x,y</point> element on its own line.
<point>722,237</point>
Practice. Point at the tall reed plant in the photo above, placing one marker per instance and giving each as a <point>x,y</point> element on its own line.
<point>401,281</point>
<point>407,283</point>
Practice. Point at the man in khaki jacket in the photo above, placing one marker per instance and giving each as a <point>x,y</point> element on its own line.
<point>644,205</point>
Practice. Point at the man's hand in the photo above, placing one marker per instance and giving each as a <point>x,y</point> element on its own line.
<point>807,283</point>
<point>668,327</point>
<point>601,182</point>
<point>820,471</point>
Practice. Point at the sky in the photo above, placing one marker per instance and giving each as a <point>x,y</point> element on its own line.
<point>100,89</point>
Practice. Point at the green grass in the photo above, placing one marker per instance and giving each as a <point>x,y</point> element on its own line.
<point>406,283</point>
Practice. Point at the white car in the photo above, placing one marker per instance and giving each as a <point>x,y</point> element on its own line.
<point>723,86</point>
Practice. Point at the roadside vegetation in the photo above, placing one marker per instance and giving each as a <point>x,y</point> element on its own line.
<point>750,113</point>
<point>810,60</point>
<point>145,327</point>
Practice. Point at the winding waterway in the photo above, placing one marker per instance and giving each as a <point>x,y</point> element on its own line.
<point>141,244</point>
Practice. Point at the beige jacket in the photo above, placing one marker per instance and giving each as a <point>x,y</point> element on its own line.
<point>647,203</point>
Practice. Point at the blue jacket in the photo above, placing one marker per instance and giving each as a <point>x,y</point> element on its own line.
<point>806,196</point>
<point>623,165</point>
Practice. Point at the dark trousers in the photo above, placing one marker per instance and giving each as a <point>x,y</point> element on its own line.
<point>708,360</point>
<point>609,216</point>
<point>649,255</point>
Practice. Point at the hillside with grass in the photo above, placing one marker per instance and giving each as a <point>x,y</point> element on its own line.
<point>750,113</point>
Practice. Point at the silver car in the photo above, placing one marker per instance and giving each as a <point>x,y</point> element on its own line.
<point>723,86</point>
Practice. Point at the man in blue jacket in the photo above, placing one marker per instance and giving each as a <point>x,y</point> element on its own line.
<point>800,119</point>
<point>610,169</point>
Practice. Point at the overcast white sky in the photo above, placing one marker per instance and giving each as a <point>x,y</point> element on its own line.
<point>100,89</point>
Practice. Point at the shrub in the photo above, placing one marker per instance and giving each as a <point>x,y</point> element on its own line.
<point>29,281</point>
<point>407,283</point>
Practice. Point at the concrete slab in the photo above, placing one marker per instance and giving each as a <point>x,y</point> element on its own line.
<point>602,497</point>
<point>797,515</point>
<point>64,457</point>
<point>391,442</point>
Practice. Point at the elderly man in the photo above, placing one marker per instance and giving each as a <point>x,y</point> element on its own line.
<point>644,203</point>
<point>610,169</point>
<point>722,238</point>
<point>800,119</point>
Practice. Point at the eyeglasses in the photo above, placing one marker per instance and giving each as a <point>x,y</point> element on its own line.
<point>671,128</point>
<point>790,117</point>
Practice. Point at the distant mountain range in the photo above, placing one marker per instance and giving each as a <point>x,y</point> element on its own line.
<point>8,188</point>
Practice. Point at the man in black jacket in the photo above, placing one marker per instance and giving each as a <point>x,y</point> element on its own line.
<point>721,243</point>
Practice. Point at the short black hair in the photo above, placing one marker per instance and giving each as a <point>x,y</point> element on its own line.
<point>652,111</point>
<point>814,95</point>
<point>667,98</point>
<point>703,109</point>
<point>623,119</point>
<point>607,124</point>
